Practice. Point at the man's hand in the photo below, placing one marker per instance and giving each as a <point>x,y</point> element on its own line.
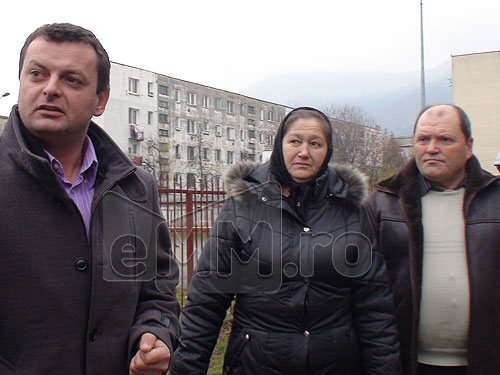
<point>153,356</point>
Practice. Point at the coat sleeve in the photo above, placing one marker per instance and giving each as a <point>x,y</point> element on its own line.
<point>373,313</point>
<point>208,300</point>
<point>157,309</point>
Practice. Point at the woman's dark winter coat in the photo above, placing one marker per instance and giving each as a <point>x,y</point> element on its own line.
<point>294,312</point>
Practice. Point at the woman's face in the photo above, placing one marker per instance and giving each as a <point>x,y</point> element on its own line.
<point>304,148</point>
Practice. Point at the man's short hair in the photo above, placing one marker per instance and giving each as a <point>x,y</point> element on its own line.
<point>464,119</point>
<point>66,32</point>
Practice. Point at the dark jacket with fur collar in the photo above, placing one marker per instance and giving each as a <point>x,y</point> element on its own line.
<point>70,305</point>
<point>294,313</point>
<point>396,213</point>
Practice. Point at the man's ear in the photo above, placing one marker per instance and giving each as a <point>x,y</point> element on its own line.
<point>468,144</point>
<point>102,100</point>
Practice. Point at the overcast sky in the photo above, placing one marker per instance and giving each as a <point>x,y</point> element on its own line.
<point>230,44</point>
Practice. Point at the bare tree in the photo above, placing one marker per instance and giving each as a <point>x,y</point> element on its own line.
<point>357,140</point>
<point>394,157</point>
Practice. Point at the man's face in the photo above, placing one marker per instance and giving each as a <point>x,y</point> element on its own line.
<point>57,94</point>
<point>441,150</point>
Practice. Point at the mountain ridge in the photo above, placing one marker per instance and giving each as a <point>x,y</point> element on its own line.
<point>391,99</point>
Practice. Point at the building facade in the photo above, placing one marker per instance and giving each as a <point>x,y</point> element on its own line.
<point>476,88</point>
<point>3,121</point>
<point>189,131</point>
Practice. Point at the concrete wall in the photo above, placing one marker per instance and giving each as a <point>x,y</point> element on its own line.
<point>476,88</point>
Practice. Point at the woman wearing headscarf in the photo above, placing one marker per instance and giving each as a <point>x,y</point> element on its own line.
<point>310,295</point>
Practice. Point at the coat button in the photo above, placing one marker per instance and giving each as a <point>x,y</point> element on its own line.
<point>93,334</point>
<point>306,229</point>
<point>264,199</point>
<point>307,333</point>
<point>81,264</point>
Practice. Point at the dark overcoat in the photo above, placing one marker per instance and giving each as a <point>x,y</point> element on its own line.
<point>395,211</point>
<point>73,304</point>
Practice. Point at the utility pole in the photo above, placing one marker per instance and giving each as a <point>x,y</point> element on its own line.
<point>422,69</point>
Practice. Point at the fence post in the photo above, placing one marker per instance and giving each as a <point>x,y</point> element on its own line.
<point>189,232</point>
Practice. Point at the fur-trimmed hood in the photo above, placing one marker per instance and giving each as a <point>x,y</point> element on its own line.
<point>343,181</point>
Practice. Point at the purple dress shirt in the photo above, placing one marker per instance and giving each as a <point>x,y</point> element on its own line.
<point>81,191</point>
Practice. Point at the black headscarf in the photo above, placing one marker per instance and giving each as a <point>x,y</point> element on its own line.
<point>299,191</point>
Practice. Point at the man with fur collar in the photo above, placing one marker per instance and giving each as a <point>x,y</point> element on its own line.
<point>437,223</point>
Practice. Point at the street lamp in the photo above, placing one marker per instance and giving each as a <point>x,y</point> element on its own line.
<point>422,68</point>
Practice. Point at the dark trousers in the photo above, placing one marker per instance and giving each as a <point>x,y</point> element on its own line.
<point>440,370</point>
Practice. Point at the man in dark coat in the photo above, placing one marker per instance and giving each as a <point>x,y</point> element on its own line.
<point>437,223</point>
<point>87,277</point>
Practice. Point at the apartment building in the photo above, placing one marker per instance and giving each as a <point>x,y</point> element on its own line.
<point>186,130</point>
<point>476,88</point>
<point>3,121</point>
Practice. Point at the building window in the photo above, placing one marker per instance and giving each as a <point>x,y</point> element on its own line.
<point>163,132</point>
<point>270,116</point>
<point>230,107</point>
<point>251,133</point>
<point>163,118</point>
<point>190,153</point>
<point>242,134</point>
<point>163,104</point>
<point>133,116</point>
<point>205,127</point>
<point>251,157</point>
<point>242,108</point>
<point>177,95</point>
<point>261,137</point>
<point>150,89</point>
<point>133,86</point>
<point>177,178</point>
<point>280,117</point>
<point>251,109</point>
<point>261,115</point>
<point>163,90</point>
<point>205,154</point>
<point>218,103</point>
<point>230,157</point>
<point>191,98</point>
<point>230,133</point>
<point>205,101</point>
<point>178,123</point>
<point>218,130</point>
<point>191,128</point>
<point>218,155</point>
<point>150,117</point>
<point>177,149</point>
<point>132,149</point>
<point>191,180</point>
<point>251,121</point>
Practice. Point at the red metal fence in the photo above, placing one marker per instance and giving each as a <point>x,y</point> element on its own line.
<point>190,212</point>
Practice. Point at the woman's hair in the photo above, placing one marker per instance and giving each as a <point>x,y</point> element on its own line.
<point>308,113</point>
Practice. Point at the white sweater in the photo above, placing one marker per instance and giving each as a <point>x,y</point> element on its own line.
<point>444,311</point>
